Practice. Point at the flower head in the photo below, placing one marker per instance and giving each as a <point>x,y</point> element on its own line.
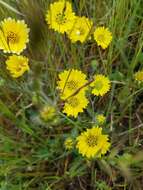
<point>93,143</point>
<point>48,113</point>
<point>80,30</point>
<point>60,16</point>
<point>70,81</point>
<point>68,143</point>
<point>75,105</point>
<point>100,119</point>
<point>101,85</point>
<point>103,37</point>
<point>13,35</point>
<point>139,76</point>
<point>17,65</point>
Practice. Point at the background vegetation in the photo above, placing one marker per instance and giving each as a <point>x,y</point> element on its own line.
<point>32,154</point>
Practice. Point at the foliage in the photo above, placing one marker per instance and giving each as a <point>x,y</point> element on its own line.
<point>32,151</point>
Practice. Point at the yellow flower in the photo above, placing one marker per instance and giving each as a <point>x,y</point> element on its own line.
<point>17,65</point>
<point>80,30</point>
<point>68,143</point>
<point>70,81</point>
<point>13,35</point>
<point>101,85</point>
<point>48,113</point>
<point>139,76</point>
<point>75,105</point>
<point>92,143</point>
<point>100,118</point>
<point>60,16</point>
<point>103,37</point>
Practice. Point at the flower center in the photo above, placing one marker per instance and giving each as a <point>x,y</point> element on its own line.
<point>101,37</point>
<point>73,102</point>
<point>91,140</point>
<point>61,18</point>
<point>12,37</point>
<point>98,85</point>
<point>139,76</point>
<point>18,68</point>
<point>79,31</point>
<point>72,85</point>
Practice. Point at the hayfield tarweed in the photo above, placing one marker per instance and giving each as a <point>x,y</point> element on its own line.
<point>17,65</point>
<point>69,143</point>
<point>103,36</point>
<point>58,122</point>
<point>92,143</point>
<point>100,118</point>
<point>72,86</point>
<point>70,81</point>
<point>60,16</point>
<point>139,76</point>
<point>75,104</point>
<point>80,30</point>
<point>14,35</point>
<point>101,85</point>
<point>48,113</point>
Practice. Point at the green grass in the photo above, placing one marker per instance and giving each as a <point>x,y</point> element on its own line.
<point>32,154</point>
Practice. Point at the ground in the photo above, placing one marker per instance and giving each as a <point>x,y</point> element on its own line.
<point>32,152</point>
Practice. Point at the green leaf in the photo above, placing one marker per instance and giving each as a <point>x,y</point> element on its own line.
<point>4,110</point>
<point>124,94</point>
<point>10,7</point>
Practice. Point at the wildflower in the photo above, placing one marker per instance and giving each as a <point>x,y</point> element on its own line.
<point>103,37</point>
<point>48,113</point>
<point>80,30</point>
<point>100,119</point>
<point>13,35</point>
<point>101,85</point>
<point>75,105</point>
<point>68,143</point>
<point>92,143</point>
<point>17,65</point>
<point>60,16</point>
<point>70,81</point>
<point>139,76</point>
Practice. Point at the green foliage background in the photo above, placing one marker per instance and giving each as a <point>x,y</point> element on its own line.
<point>32,155</point>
